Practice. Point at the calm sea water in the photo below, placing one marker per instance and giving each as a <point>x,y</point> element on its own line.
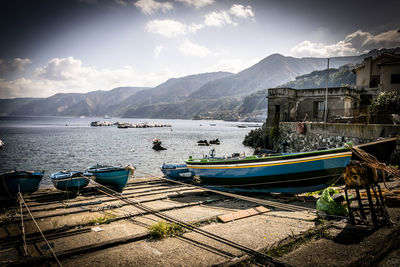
<point>55,143</point>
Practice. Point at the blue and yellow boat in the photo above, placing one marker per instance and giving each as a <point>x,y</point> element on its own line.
<point>13,182</point>
<point>70,180</point>
<point>283,173</point>
<point>115,177</point>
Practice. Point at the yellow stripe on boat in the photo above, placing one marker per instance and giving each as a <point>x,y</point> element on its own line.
<point>275,163</point>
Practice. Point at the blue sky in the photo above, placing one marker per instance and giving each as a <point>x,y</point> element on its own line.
<point>53,46</point>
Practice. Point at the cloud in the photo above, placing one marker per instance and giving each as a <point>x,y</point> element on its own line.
<point>148,7</point>
<point>69,75</point>
<point>196,3</point>
<point>168,28</point>
<point>241,12</point>
<point>355,43</point>
<point>218,19</point>
<point>8,66</point>
<point>191,49</point>
<point>157,50</point>
<point>172,28</point>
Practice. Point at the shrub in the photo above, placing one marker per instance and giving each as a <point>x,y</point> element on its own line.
<point>384,105</point>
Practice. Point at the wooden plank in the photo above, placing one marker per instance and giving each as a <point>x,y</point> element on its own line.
<point>242,214</point>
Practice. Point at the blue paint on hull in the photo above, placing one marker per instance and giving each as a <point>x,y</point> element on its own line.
<point>295,175</point>
<point>26,182</point>
<point>69,181</point>
<point>115,177</point>
<point>174,171</point>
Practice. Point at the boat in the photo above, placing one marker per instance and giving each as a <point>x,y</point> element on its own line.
<point>1,144</point>
<point>70,180</point>
<point>15,181</point>
<point>381,149</point>
<point>115,177</point>
<point>242,126</point>
<point>282,173</point>
<point>176,171</point>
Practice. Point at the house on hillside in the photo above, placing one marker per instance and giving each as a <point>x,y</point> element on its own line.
<point>290,104</point>
<point>379,74</point>
<point>374,76</point>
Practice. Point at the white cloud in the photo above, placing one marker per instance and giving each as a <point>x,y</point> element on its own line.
<point>191,49</point>
<point>121,2</point>
<point>69,75</point>
<point>168,28</point>
<point>241,12</point>
<point>157,50</point>
<point>218,19</point>
<point>172,28</point>
<point>148,7</point>
<point>355,43</point>
<point>196,3</point>
<point>13,65</point>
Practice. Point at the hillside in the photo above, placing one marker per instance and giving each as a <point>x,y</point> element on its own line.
<point>317,79</point>
<point>269,72</point>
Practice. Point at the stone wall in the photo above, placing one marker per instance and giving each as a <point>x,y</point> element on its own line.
<point>330,135</point>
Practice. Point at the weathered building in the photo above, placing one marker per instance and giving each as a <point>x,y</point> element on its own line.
<point>290,104</point>
<point>379,74</point>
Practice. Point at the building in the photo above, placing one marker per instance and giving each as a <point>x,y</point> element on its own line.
<point>290,104</point>
<point>379,74</point>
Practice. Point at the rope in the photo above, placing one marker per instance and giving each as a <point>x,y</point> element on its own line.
<point>33,219</point>
<point>270,203</point>
<point>22,224</point>
<point>159,214</point>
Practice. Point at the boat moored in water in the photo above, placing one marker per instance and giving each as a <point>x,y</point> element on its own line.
<point>13,182</point>
<point>70,180</point>
<point>283,173</point>
<point>115,177</point>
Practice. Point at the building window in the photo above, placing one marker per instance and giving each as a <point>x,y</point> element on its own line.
<point>395,78</point>
<point>375,81</point>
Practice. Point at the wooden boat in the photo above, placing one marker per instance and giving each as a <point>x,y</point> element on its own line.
<point>70,180</point>
<point>176,171</point>
<point>111,176</point>
<point>284,173</point>
<point>381,149</point>
<point>13,182</point>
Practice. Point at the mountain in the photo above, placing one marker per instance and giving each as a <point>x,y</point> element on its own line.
<point>270,72</point>
<point>220,95</point>
<point>317,79</point>
<point>96,103</point>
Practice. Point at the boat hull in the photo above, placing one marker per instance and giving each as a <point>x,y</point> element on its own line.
<point>114,177</point>
<point>69,181</point>
<point>25,182</point>
<point>287,175</point>
<point>174,171</point>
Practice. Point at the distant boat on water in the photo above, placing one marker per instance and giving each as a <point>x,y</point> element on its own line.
<point>70,180</point>
<point>112,176</point>
<point>13,182</point>
<point>283,173</point>
<point>107,117</point>
<point>1,144</point>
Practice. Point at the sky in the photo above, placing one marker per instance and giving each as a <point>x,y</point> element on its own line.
<point>77,46</point>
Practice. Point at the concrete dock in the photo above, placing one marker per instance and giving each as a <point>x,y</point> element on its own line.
<point>92,228</point>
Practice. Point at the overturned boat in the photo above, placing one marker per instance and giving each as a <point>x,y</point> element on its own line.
<point>283,173</point>
<point>13,182</point>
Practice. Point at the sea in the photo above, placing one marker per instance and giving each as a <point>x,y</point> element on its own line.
<point>51,144</point>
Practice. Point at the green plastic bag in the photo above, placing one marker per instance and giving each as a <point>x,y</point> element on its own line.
<point>326,203</point>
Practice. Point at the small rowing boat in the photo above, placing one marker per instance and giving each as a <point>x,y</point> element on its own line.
<point>13,182</point>
<point>176,171</point>
<point>111,176</point>
<point>70,180</point>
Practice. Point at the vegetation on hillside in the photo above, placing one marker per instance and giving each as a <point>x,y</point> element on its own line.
<point>317,79</point>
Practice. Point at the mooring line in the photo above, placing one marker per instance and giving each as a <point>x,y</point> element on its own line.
<point>258,255</point>
<point>33,219</point>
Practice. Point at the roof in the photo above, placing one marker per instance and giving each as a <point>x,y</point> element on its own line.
<point>388,55</point>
